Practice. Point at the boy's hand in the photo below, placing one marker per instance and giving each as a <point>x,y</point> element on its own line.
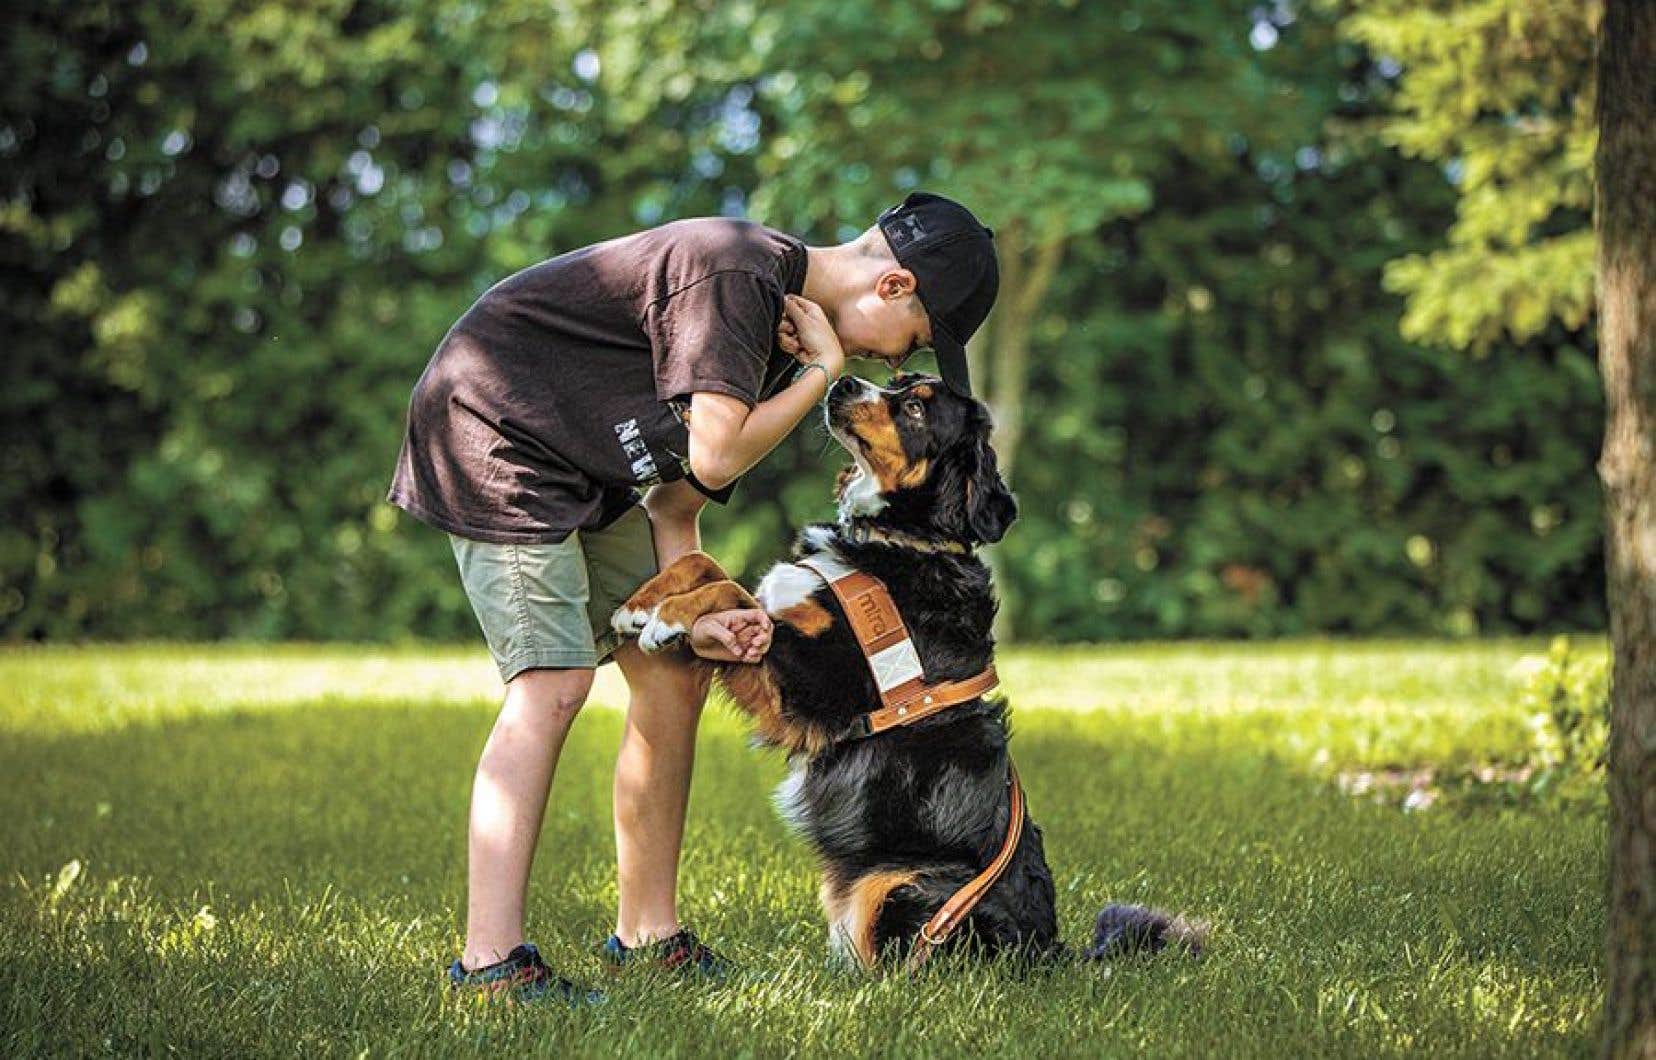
<point>814,334</point>
<point>732,636</point>
<point>787,336</point>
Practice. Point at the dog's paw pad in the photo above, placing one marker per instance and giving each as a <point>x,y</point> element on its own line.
<point>659,636</point>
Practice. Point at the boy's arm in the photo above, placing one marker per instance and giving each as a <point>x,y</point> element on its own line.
<point>727,437</point>
<point>673,508</point>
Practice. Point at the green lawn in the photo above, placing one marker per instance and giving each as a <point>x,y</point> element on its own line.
<point>271,843</point>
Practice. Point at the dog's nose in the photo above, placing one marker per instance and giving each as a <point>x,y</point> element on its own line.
<point>845,388</point>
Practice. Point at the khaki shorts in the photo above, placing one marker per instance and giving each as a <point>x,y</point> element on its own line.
<point>549,606</point>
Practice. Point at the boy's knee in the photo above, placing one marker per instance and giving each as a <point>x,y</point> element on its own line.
<point>559,694</point>
<point>672,683</point>
<point>564,707</point>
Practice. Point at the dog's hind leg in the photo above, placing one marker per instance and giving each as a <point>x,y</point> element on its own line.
<point>1016,917</point>
<point>857,909</point>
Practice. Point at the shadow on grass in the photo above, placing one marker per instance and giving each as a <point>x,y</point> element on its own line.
<point>338,828</point>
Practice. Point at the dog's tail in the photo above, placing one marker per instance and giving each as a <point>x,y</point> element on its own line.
<point>1127,929</point>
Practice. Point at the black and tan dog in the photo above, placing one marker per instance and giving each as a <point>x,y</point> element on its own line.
<point>901,820</point>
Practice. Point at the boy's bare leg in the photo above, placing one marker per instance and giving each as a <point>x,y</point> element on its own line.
<point>652,789</point>
<point>508,801</point>
<point>658,747</point>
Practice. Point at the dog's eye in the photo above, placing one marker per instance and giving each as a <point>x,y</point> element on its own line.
<point>913,407</point>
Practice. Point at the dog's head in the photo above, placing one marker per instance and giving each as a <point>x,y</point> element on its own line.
<point>923,463</point>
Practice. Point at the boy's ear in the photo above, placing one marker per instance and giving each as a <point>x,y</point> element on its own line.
<point>990,507</point>
<point>896,283</point>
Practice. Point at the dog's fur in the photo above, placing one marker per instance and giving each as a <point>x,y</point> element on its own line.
<point>901,820</point>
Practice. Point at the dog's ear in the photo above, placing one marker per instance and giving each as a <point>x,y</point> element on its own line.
<point>971,501</point>
<point>990,506</point>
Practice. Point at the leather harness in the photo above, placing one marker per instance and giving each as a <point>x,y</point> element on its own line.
<point>906,697</point>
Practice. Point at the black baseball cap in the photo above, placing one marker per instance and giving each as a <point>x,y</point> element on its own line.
<point>952,257</point>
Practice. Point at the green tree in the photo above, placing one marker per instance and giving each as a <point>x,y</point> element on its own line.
<point>1500,93</point>
<point>1238,442</point>
<point>232,233</point>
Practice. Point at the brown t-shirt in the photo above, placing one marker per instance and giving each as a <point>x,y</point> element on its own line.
<point>561,392</point>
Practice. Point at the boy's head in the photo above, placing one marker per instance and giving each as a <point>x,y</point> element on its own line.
<point>928,278</point>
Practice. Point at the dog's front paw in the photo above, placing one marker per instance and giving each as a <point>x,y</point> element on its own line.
<point>658,635</point>
<point>630,621</point>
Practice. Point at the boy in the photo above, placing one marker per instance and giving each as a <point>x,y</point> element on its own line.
<point>669,361</point>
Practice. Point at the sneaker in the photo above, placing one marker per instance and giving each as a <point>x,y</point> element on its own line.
<point>522,976</point>
<point>683,954</point>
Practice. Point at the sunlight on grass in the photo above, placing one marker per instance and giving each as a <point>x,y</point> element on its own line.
<point>106,687</point>
<point>259,850</point>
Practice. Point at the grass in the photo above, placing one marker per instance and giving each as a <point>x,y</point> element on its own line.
<point>271,861</point>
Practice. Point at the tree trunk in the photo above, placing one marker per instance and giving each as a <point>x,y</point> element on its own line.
<point>1000,365</point>
<point>999,358</point>
<point>1626,222</point>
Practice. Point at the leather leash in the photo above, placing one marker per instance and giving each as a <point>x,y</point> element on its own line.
<point>963,901</point>
<point>906,698</point>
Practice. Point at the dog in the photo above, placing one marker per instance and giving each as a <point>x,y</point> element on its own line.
<point>901,820</point>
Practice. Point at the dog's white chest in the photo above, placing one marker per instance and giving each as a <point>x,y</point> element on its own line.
<point>787,584</point>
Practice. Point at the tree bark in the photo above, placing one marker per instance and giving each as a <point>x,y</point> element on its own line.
<point>999,359</point>
<point>1000,366</point>
<point>1626,225</point>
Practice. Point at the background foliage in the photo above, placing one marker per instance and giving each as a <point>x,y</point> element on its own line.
<point>232,231</point>
<point>1500,93</point>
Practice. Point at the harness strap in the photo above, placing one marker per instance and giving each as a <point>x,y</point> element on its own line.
<point>905,695</point>
<point>962,902</point>
<point>926,701</point>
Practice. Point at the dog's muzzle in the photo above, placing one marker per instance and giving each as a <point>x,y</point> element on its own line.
<point>849,390</point>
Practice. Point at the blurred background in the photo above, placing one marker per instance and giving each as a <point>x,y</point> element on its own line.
<point>1294,334</point>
